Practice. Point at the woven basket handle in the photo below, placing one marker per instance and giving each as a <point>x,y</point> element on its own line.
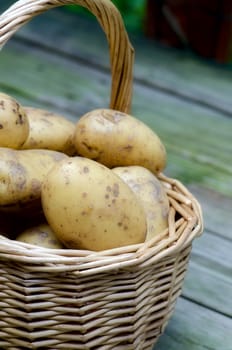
<point>121,51</point>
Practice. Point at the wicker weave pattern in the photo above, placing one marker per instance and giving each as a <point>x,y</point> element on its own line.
<point>116,299</point>
<point>124,311</point>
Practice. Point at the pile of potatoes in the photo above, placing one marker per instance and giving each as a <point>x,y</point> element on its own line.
<point>88,185</point>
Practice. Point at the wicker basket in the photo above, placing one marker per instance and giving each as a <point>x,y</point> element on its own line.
<point>116,299</point>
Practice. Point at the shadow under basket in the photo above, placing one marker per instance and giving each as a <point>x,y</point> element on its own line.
<point>115,299</point>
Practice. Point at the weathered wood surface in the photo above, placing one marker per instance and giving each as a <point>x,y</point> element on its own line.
<point>193,132</point>
<point>60,62</point>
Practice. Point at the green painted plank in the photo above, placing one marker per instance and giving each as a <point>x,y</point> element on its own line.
<point>5,4</point>
<point>185,75</point>
<point>208,287</point>
<point>216,209</point>
<point>201,138</point>
<point>168,70</point>
<point>193,327</point>
<point>47,80</point>
<point>214,251</point>
<point>188,131</point>
<point>208,280</point>
<point>210,262</point>
<point>32,75</point>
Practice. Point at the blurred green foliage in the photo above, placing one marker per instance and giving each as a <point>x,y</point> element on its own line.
<point>133,12</point>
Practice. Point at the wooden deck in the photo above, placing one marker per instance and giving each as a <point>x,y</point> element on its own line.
<point>60,62</point>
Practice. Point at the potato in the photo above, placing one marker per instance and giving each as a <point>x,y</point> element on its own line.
<point>151,195</point>
<point>41,235</point>
<point>21,175</point>
<point>14,126</point>
<point>90,207</point>
<point>117,139</point>
<point>49,131</point>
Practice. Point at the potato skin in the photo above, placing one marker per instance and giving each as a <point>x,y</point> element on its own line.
<point>41,235</point>
<point>21,176</point>
<point>151,195</point>
<point>117,139</point>
<point>90,207</point>
<point>49,130</point>
<point>14,126</point>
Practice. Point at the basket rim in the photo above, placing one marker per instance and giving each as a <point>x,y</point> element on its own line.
<point>170,242</point>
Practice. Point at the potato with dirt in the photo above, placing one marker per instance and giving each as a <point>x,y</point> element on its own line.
<point>151,194</point>
<point>89,207</point>
<point>14,126</point>
<point>21,176</point>
<point>49,130</point>
<point>117,139</point>
<point>40,235</point>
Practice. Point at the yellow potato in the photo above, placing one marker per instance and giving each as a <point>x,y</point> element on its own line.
<point>21,176</point>
<point>49,131</point>
<point>14,126</point>
<point>41,235</point>
<point>117,139</point>
<point>151,195</point>
<point>90,207</point>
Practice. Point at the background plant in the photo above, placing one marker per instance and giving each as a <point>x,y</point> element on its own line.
<point>133,12</point>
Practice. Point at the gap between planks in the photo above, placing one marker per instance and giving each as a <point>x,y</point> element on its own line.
<point>72,30</point>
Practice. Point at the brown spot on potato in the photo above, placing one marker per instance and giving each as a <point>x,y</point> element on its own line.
<point>66,179</point>
<point>82,129</point>
<point>84,194</point>
<point>88,147</point>
<point>2,104</point>
<point>52,241</point>
<point>70,244</point>
<point>35,185</point>
<point>86,169</point>
<point>43,235</point>
<point>115,189</point>
<point>1,126</point>
<point>107,196</point>
<point>20,120</point>
<point>128,147</point>
<point>18,172</point>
